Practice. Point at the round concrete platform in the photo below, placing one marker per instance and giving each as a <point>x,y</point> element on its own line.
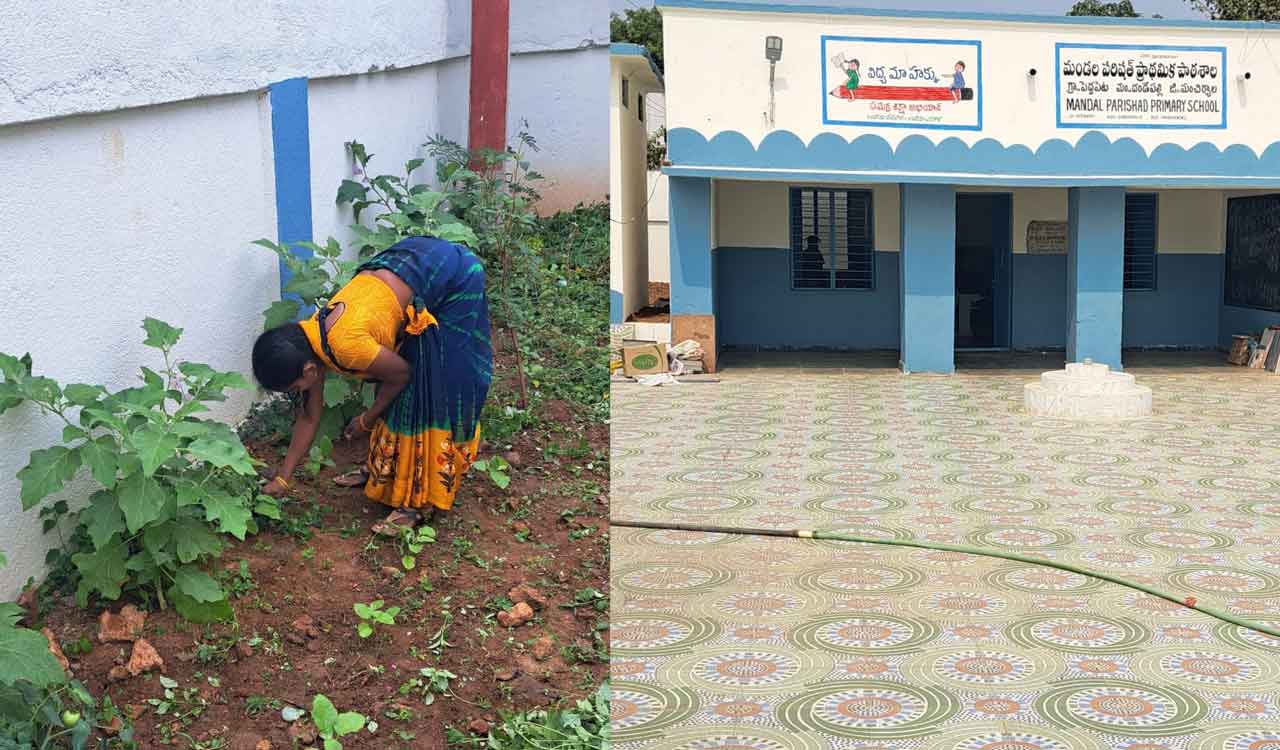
<point>1088,391</point>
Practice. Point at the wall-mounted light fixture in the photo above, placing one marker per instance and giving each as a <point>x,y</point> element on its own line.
<point>772,53</point>
<point>1240,86</point>
<point>1031,84</point>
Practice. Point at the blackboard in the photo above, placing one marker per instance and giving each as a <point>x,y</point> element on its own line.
<point>1253,253</point>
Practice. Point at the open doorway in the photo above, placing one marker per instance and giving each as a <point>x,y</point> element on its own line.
<point>983,246</point>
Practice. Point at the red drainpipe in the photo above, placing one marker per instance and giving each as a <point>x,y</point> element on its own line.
<point>490,55</point>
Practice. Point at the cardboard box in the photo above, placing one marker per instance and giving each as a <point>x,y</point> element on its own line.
<point>645,359</point>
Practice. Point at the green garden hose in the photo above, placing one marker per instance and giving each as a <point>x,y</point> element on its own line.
<point>1189,601</point>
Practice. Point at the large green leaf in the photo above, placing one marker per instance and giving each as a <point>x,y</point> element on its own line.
<point>336,390</point>
<point>281,312</point>
<point>458,233</point>
<point>197,584</point>
<point>230,513</point>
<point>24,655</point>
<point>100,454</point>
<point>83,395</point>
<point>160,335</point>
<point>154,447</point>
<point>142,499</point>
<point>347,723</point>
<point>102,518</point>
<point>222,453</point>
<point>48,471</point>
<point>323,714</point>
<point>11,613</point>
<point>350,190</point>
<point>102,570</point>
<point>194,540</point>
<point>200,612</point>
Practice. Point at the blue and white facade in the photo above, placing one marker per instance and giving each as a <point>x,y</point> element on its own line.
<point>924,182</point>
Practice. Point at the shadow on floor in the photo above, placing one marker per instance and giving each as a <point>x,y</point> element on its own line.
<point>1136,359</point>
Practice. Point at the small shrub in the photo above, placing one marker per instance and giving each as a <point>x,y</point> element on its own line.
<point>373,614</point>
<point>331,725</point>
<point>171,483</point>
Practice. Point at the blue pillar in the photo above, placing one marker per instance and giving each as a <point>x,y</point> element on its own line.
<point>291,150</point>
<point>1095,274</point>
<point>692,287</point>
<point>928,278</point>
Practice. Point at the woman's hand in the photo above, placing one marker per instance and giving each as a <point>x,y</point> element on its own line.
<point>360,425</point>
<point>277,487</point>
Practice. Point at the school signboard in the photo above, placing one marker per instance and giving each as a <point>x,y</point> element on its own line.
<point>905,83</point>
<point>1141,86</point>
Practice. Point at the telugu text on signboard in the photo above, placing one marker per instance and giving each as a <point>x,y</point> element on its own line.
<point>1117,86</point>
<point>904,83</point>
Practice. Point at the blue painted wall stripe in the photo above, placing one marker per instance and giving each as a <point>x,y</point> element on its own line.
<point>291,148</point>
<point>1095,274</point>
<point>615,307</point>
<point>690,225</point>
<point>928,278</point>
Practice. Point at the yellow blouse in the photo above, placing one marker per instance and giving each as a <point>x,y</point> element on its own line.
<point>370,320</point>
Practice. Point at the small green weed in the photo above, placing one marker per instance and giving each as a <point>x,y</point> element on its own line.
<point>373,614</point>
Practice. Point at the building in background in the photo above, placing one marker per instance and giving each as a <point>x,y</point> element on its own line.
<point>928,181</point>
<point>632,76</point>
<point>170,140</point>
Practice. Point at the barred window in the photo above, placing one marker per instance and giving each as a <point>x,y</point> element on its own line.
<point>831,242</point>
<point>1140,241</point>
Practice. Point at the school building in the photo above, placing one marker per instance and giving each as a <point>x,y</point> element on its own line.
<point>856,179</point>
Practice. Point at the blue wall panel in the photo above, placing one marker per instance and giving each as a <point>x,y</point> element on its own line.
<point>291,152</point>
<point>1039,301</point>
<point>1183,310</point>
<point>756,306</point>
<point>690,222</point>
<point>928,277</point>
<point>1244,321</point>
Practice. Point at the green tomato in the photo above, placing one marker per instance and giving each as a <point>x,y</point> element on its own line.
<point>70,718</point>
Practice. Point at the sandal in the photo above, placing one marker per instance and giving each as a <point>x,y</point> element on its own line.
<point>353,478</point>
<point>400,518</point>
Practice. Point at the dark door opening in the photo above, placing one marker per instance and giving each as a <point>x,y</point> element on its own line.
<point>983,244</point>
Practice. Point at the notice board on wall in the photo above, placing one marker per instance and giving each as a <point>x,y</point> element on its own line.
<point>1047,237</point>
<point>1253,253</point>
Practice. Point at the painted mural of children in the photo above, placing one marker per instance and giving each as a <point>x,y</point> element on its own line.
<point>850,69</point>
<point>957,82</point>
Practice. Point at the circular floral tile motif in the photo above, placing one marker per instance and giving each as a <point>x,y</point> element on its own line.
<point>718,437</point>
<point>629,435</point>
<point>1240,484</point>
<point>741,420</point>
<point>710,736</point>
<point>1247,638</point>
<point>745,671</point>
<point>1020,537</point>
<point>1179,442</point>
<point>854,504</point>
<point>677,538</point>
<point>849,421</point>
<point>643,711</point>
<point>954,423</point>
<point>1144,508</point>
<point>852,455</point>
<point>1117,559</point>
<point>1000,505</point>
<point>1122,708</point>
<point>1206,579</point>
<point>870,634</point>
<point>853,477</point>
<point>1265,508</point>
<point>714,477</point>
<point>726,454</point>
<point>1072,440</point>
<point>985,669</point>
<point>1182,540</point>
<point>963,439</point>
<point>670,578</point>
<point>868,709</point>
<point>974,456</point>
<point>960,606</point>
<point>702,503</point>
<point>653,635</point>
<point>1206,461</point>
<point>1079,634</point>
<point>1113,481</point>
<point>986,479</point>
<point>856,579</point>
<point>1090,458</point>
<point>1204,669</point>
<point>1008,735</point>
<point>850,437</point>
<point>1040,579</point>
<point>753,604</point>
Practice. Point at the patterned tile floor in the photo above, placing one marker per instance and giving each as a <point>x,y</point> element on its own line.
<point>756,642</point>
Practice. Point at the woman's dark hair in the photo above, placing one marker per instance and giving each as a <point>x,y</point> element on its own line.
<point>279,356</point>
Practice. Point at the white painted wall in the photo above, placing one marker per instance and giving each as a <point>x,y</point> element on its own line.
<point>67,58</point>
<point>757,214</point>
<point>628,179</point>
<point>699,95</point>
<point>124,215</point>
<point>659,228</point>
<point>142,197</point>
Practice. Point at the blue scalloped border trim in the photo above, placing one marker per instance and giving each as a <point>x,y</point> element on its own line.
<point>1094,159</point>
